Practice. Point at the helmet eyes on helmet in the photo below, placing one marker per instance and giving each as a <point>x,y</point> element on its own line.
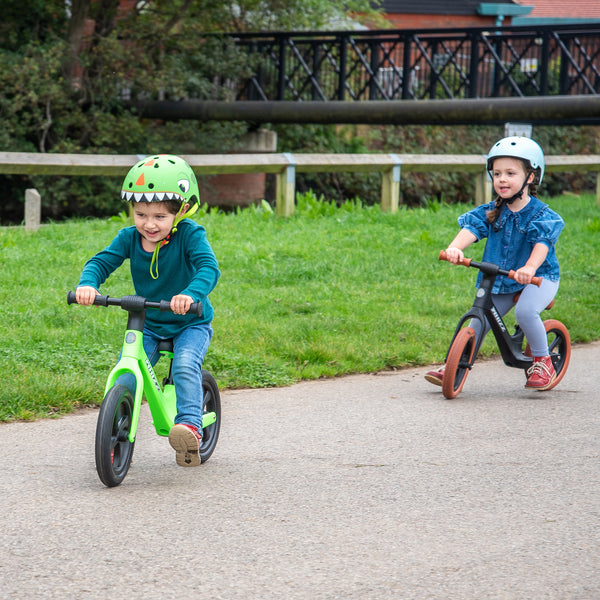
<point>184,185</point>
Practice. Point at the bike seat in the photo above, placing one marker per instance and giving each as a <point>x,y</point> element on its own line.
<point>165,345</point>
<point>518,295</point>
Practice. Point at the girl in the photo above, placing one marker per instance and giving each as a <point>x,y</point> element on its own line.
<point>521,234</point>
<point>164,190</point>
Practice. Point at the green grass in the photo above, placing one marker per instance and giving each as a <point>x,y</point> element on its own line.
<point>327,292</point>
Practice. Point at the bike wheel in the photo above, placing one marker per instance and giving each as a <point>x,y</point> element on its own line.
<point>212,404</point>
<point>559,346</point>
<point>113,448</point>
<point>458,362</point>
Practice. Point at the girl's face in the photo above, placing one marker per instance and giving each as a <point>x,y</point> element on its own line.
<point>508,175</point>
<point>154,222</point>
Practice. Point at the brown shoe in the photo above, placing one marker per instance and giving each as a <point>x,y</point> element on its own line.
<point>435,377</point>
<point>541,374</point>
<point>185,440</point>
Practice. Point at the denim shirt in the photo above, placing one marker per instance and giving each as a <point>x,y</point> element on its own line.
<point>510,240</point>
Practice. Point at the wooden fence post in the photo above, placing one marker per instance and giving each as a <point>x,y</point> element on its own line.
<point>33,209</point>
<point>483,189</point>
<point>390,186</point>
<point>285,191</point>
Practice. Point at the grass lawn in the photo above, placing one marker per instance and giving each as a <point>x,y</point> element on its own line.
<point>327,292</point>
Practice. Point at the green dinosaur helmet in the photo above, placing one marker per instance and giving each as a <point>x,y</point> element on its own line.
<point>161,177</point>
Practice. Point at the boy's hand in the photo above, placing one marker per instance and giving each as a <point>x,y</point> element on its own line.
<point>181,303</point>
<point>85,295</point>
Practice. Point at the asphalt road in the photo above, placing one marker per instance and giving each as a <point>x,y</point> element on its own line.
<point>363,487</point>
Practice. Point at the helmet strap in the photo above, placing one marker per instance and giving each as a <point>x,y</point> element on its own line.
<point>181,214</point>
<point>519,194</point>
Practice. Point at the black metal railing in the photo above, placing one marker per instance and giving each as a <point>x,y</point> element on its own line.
<point>403,64</point>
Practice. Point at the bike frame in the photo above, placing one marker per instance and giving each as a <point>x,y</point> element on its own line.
<point>510,346</point>
<point>161,400</point>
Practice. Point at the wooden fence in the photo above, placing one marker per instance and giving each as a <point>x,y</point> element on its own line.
<point>286,165</point>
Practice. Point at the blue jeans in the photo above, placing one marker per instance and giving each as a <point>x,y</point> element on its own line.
<point>189,350</point>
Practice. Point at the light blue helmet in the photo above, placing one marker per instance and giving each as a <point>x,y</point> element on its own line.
<point>519,147</point>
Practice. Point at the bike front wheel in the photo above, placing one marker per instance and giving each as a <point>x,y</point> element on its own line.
<point>458,362</point>
<point>113,448</point>
<point>211,414</point>
<point>559,347</point>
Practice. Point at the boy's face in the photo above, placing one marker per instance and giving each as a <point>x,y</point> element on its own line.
<point>153,220</point>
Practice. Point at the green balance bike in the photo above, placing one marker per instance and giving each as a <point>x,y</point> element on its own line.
<point>120,411</point>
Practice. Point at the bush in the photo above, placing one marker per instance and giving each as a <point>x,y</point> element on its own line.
<point>418,189</point>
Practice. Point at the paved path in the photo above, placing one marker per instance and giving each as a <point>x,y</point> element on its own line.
<point>363,487</point>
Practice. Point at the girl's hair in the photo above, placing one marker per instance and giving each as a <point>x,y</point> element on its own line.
<point>494,213</point>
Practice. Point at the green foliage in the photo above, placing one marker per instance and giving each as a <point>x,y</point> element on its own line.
<point>330,139</point>
<point>63,88</point>
<point>64,91</point>
<point>420,189</point>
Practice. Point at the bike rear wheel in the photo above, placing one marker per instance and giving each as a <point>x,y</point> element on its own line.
<point>113,448</point>
<point>559,346</point>
<point>458,362</point>
<point>212,404</point>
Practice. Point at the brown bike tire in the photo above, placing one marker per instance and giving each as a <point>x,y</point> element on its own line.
<point>460,354</point>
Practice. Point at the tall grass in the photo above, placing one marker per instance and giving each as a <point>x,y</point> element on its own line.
<point>327,292</point>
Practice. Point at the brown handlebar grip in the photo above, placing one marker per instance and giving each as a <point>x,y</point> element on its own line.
<point>464,261</point>
<point>534,280</point>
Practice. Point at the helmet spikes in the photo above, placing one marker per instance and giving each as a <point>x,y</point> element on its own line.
<point>145,197</point>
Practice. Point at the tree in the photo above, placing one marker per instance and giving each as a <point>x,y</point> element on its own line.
<point>68,66</point>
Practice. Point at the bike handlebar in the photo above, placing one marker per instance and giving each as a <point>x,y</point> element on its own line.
<point>135,303</point>
<point>489,268</point>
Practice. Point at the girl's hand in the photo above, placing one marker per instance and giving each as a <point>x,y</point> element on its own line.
<point>85,295</point>
<point>524,275</point>
<point>455,255</point>
<point>181,303</point>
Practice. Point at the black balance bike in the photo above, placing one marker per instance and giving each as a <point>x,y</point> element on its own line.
<point>514,350</point>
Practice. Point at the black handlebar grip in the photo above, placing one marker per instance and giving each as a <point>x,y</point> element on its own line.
<point>194,309</point>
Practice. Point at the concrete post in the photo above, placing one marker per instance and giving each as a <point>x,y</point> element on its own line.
<point>33,210</point>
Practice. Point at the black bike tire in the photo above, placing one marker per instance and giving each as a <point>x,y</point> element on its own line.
<point>211,403</point>
<point>113,449</point>
<point>559,347</point>
<point>459,356</point>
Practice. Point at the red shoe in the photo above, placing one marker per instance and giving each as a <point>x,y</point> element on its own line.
<point>185,440</point>
<point>541,374</point>
<point>435,377</point>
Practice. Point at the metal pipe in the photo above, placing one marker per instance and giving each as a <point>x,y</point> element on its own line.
<point>576,110</point>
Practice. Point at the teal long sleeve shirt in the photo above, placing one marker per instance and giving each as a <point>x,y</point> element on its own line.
<point>186,265</point>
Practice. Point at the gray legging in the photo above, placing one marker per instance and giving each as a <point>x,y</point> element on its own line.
<point>531,303</point>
